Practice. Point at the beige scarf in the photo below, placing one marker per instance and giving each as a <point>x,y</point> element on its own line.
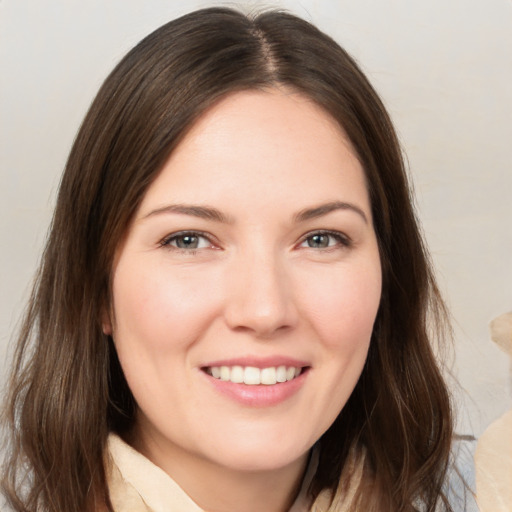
<point>137,485</point>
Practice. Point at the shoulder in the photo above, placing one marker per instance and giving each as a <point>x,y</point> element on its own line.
<point>493,460</point>
<point>137,485</point>
<point>460,482</point>
<point>123,494</point>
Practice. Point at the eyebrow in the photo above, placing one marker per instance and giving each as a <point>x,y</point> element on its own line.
<point>203,212</point>
<point>324,209</point>
<point>211,213</point>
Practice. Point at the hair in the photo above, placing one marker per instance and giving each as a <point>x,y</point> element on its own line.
<point>67,390</point>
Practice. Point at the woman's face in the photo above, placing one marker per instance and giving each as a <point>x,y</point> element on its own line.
<point>245,292</point>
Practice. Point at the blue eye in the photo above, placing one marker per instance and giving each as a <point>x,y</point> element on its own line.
<point>325,240</point>
<point>187,241</point>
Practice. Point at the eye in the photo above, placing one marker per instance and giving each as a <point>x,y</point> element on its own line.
<point>187,241</point>
<point>325,240</point>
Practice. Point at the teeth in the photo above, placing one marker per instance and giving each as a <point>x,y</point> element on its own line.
<point>253,376</point>
<point>237,374</point>
<point>268,376</point>
<point>281,374</point>
<point>224,373</point>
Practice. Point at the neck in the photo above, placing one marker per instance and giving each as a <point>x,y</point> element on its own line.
<point>222,489</point>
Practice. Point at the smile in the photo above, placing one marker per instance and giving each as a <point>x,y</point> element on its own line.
<point>253,376</point>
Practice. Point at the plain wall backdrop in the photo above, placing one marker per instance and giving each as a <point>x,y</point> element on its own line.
<point>443,68</point>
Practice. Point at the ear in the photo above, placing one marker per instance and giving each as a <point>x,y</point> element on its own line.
<point>106,323</point>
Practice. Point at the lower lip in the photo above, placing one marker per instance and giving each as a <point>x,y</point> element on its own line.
<point>259,395</point>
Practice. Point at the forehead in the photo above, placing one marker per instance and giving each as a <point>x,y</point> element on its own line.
<point>253,143</point>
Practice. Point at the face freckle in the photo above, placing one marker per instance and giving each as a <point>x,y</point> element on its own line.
<point>252,251</point>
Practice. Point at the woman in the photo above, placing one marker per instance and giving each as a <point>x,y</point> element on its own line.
<point>231,311</point>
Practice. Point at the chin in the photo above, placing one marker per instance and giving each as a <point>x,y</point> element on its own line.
<point>259,454</point>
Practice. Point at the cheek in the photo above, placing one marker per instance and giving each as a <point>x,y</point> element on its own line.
<point>158,310</point>
<point>343,306</point>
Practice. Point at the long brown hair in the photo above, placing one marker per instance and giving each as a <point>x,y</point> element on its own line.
<point>67,390</point>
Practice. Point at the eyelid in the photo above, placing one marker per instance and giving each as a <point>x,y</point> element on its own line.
<point>343,239</point>
<point>166,241</point>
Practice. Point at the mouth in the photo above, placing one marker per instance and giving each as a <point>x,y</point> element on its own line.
<point>253,376</point>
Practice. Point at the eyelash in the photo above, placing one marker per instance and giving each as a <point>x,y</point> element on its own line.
<point>167,241</point>
<point>340,238</point>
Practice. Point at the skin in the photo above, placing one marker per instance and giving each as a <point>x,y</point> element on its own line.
<point>259,284</point>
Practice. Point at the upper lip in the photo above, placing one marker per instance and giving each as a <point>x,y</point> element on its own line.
<point>258,362</point>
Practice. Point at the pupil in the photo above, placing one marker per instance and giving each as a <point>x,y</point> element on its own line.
<point>187,242</point>
<point>319,241</point>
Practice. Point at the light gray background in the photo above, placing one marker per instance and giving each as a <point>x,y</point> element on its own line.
<point>443,67</point>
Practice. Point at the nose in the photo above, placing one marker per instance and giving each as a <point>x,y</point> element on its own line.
<point>260,297</point>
